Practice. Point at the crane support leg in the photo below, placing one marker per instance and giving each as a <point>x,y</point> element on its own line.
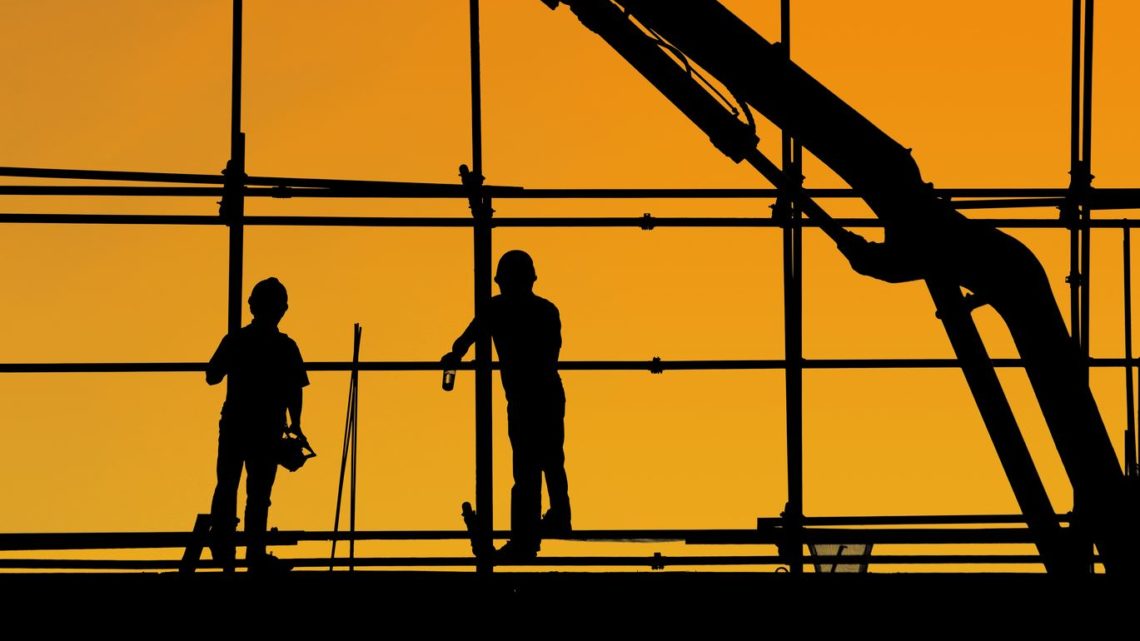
<point>1059,554</point>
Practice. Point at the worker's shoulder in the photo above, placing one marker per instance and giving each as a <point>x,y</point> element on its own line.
<point>531,299</point>
<point>287,342</point>
<point>266,338</point>
<point>546,305</point>
<point>528,304</point>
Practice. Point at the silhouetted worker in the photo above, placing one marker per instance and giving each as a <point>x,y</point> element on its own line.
<point>265,376</point>
<point>528,336</point>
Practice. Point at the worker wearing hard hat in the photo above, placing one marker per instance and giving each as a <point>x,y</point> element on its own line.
<point>527,332</point>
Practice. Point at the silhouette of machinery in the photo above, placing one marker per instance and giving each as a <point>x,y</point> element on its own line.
<point>925,239</point>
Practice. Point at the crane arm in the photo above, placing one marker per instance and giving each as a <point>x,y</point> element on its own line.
<point>925,238</point>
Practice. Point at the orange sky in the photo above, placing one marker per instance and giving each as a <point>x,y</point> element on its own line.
<point>379,90</point>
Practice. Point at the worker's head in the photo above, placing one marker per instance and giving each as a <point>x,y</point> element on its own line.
<point>268,301</point>
<point>516,272</point>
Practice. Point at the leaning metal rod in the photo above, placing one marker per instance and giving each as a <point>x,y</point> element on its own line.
<point>348,446</point>
<point>352,408</point>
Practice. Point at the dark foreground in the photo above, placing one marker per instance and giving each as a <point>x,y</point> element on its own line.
<point>407,602</point>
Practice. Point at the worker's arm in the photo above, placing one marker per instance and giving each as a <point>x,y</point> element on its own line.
<point>219,363</point>
<point>554,346</point>
<point>298,379</point>
<point>461,345</point>
<point>293,405</point>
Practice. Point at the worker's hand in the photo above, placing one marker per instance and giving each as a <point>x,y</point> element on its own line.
<point>450,360</point>
<point>295,428</point>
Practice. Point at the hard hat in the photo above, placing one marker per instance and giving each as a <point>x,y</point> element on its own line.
<point>515,266</point>
<point>268,294</point>
<point>293,450</point>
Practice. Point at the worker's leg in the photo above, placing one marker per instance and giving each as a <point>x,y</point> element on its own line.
<point>526,494</point>
<point>554,465</point>
<point>261,471</point>
<point>223,508</point>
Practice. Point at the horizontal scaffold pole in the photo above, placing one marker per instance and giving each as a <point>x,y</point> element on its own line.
<point>644,222</point>
<point>653,366</point>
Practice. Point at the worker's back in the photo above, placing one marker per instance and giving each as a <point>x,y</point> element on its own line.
<point>263,367</point>
<point>528,336</point>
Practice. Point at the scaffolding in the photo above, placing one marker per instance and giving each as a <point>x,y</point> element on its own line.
<point>790,532</point>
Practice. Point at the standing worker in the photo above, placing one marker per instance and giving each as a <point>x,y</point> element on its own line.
<point>265,375</point>
<point>528,336</point>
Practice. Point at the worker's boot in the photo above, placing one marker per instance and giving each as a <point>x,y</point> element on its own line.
<point>555,524</point>
<point>266,564</point>
<point>517,551</point>
<point>222,546</point>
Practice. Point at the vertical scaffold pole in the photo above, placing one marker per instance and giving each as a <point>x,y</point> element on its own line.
<point>1129,387</point>
<point>481,210</point>
<point>793,338</point>
<point>1070,213</point>
<point>233,197</point>
<point>1086,177</point>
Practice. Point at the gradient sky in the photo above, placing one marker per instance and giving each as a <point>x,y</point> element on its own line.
<point>379,90</point>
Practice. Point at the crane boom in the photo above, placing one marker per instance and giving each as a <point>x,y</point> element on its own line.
<point>925,239</point>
